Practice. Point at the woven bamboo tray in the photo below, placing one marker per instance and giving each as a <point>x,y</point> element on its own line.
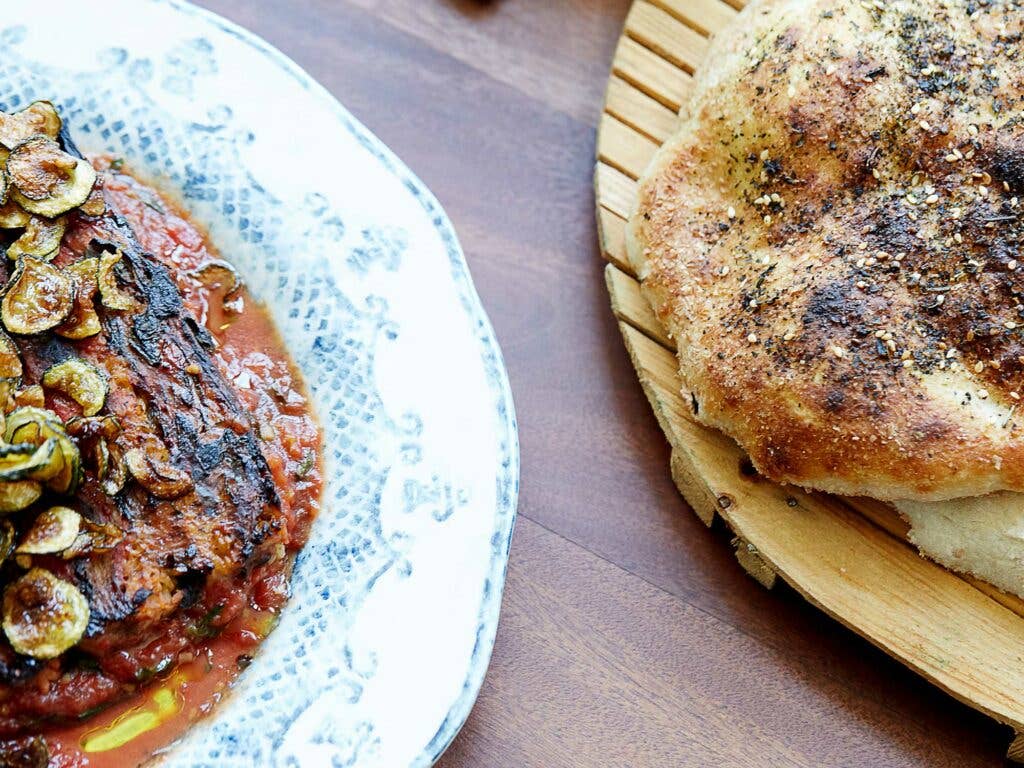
<point>849,557</point>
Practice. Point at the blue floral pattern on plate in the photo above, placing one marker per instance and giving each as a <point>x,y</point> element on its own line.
<point>382,649</point>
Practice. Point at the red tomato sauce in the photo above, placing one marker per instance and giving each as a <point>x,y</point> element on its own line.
<point>251,355</point>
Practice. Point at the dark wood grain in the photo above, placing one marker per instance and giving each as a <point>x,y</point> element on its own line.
<point>630,636</point>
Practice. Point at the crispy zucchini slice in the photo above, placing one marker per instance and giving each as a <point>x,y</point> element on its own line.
<point>19,494</point>
<point>37,425</point>
<point>95,204</point>
<point>83,321</point>
<point>52,532</point>
<point>40,463</point>
<point>29,424</point>
<point>43,615</point>
<point>38,297</point>
<point>38,118</point>
<point>7,539</point>
<point>30,395</point>
<point>114,475</point>
<point>160,478</point>
<point>79,380</point>
<point>46,180</point>
<point>70,474</point>
<point>94,537</point>
<point>111,295</point>
<point>41,239</point>
<point>13,216</point>
<point>10,368</point>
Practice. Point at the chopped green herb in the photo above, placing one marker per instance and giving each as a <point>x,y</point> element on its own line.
<point>117,164</point>
<point>308,462</point>
<point>204,629</point>
<point>155,205</point>
<point>146,674</point>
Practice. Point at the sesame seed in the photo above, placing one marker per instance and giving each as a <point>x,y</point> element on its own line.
<point>958,237</point>
<point>1011,265</point>
<point>932,199</point>
<point>908,363</point>
<point>752,338</point>
<point>951,354</point>
<point>792,91</point>
<point>838,352</point>
<point>979,367</point>
<point>764,154</point>
<point>925,126</point>
<point>768,219</point>
<point>1015,395</point>
<point>724,270</point>
<point>1010,325</point>
<point>731,213</point>
<point>875,173</point>
<point>983,394</point>
<point>916,109</point>
<point>862,246</point>
<point>951,158</point>
<point>972,129</point>
<point>789,336</point>
<point>983,190</point>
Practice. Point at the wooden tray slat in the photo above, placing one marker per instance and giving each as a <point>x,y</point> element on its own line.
<point>617,190</point>
<point>632,308</point>
<point>641,112</point>
<point>651,74</point>
<point>705,16</point>
<point>624,148</point>
<point>850,557</point>
<point>666,36</point>
<point>612,233</point>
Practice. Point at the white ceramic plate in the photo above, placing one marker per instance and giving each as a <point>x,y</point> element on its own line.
<point>382,649</point>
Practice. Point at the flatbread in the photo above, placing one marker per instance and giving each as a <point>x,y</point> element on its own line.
<point>832,238</point>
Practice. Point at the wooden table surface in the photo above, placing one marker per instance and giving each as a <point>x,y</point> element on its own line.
<point>629,635</point>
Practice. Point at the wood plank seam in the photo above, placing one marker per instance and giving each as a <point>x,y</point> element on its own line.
<point>643,113</point>
<point>706,17</point>
<point>623,147</point>
<point>666,36</point>
<point>645,70</point>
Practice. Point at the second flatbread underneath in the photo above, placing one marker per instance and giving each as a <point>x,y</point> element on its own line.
<point>981,535</point>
